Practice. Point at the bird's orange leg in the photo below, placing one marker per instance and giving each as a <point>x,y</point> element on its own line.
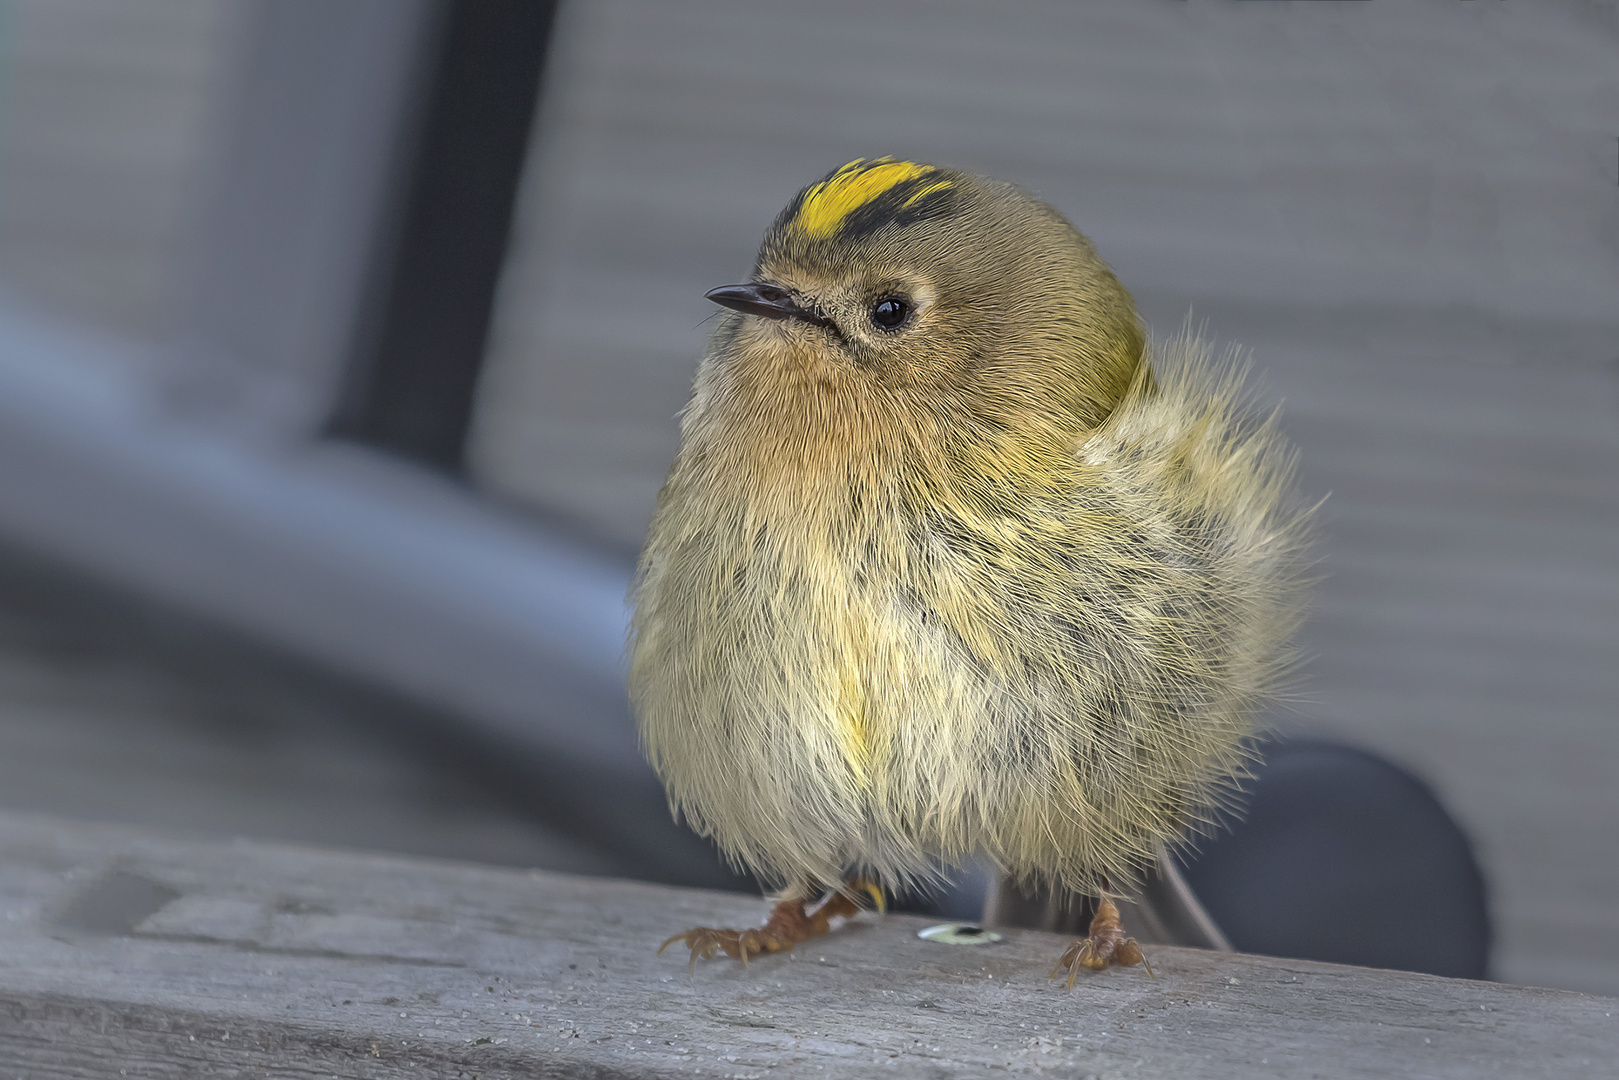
<point>1106,946</point>
<point>789,924</point>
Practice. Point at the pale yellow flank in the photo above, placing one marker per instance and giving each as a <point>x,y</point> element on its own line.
<point>828,204</point>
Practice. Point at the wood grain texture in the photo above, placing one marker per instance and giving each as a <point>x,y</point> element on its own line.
<point>131,954</point>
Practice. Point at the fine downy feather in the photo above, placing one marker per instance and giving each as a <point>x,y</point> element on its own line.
<point>900,658</point>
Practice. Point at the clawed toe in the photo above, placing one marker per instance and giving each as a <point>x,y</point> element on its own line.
<point>706,943</point>
<point>1069,961</point>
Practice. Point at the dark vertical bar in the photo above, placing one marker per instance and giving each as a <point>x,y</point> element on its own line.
<point>411,385</point>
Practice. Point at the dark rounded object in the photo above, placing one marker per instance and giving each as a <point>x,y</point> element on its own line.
<point>1342,856</point>
<point>890,312</point>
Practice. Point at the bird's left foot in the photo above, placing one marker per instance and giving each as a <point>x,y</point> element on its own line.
<point>1106,946</point>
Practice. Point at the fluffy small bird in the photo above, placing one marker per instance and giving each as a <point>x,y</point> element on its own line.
<point>953,562</point>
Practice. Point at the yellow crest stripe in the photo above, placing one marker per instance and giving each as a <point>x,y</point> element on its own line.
<point>828,204</point>
<point>925,190</point>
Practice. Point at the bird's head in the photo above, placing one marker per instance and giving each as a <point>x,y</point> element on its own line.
<point>934,283</point>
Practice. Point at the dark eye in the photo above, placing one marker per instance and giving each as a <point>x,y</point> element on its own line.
<point>889,312</point>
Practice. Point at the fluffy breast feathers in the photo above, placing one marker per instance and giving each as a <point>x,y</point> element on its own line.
<point>900,667</point>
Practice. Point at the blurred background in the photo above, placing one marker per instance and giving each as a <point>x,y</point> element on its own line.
<point>341,346</point>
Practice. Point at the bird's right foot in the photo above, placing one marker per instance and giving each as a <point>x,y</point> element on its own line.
<point>789,924</point>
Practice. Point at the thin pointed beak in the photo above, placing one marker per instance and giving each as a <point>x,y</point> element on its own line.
<point>768,301</point>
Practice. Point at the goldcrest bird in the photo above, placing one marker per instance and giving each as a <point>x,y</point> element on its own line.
<point>952,562</point>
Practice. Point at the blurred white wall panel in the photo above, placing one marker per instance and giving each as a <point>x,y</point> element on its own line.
<point>106,115</point>
<point>208,179</point>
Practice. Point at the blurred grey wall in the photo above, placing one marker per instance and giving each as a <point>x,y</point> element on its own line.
<point>106,125</point>
<point>1408,212</point>
<point>204,181</point>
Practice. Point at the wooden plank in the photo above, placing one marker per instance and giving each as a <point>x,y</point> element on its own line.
<point>159,957</point>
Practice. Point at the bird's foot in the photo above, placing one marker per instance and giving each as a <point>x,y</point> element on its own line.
<point>789,924</point>
<point>1106,946</point>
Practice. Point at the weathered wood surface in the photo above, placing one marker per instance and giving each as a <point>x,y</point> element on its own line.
<point>128,954</point>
